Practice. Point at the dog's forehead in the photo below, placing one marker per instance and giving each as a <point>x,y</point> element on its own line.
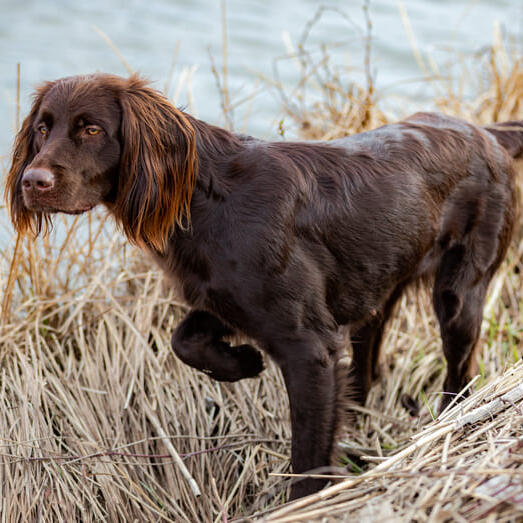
<point>80,95</point>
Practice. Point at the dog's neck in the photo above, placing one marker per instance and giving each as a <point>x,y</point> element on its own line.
<point>215,147</point>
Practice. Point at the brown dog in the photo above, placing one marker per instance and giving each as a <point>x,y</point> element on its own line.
<point>282,242</point>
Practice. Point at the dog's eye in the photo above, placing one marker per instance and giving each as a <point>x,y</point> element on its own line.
<point>92,131</point>
<point>43,129</point>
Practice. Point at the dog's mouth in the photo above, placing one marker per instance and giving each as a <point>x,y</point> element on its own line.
<point>53,207</point>
<point>81,210</point>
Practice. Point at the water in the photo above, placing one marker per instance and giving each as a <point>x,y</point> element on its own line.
<point>51,39</point>
<point>58,38</point>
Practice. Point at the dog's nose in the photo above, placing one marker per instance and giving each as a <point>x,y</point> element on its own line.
<point>38,179</point>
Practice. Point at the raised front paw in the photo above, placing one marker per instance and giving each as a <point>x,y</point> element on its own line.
<point>234,363</point>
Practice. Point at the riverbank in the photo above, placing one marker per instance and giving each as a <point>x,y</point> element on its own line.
<point>96,414</point>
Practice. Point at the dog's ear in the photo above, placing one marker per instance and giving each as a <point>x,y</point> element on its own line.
<point>158,166</point>
<point>23,153</point>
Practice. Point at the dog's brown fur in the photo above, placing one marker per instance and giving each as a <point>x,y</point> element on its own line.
<point>285,243</point>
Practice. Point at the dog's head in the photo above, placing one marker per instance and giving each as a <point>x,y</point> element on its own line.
<point>103,139</point>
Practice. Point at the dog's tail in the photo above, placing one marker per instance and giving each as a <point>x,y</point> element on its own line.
<point>510,136</point>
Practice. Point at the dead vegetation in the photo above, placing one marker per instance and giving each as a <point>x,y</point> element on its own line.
<point>100,422</point>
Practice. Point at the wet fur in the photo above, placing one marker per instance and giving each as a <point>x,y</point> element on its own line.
<point>285,243</point>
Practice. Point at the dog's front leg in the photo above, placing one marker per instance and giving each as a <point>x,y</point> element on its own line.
<point>197,341</point>
<point>309,372</point>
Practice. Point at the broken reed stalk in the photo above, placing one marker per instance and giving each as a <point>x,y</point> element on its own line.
<point>172,451</point>
<point>437,435</point>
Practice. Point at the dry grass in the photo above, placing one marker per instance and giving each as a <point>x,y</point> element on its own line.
<point>99,421</point>
<point>464,467</point>
<point>94,406</point>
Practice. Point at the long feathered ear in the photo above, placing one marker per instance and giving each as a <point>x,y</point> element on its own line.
<point>23,153</point>
<point>158,166</point>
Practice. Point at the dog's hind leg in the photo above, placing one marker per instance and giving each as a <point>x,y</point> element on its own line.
<point>366,344</point>
<point>460,312</point>
<point>198,342</point>
<point>475,234</point>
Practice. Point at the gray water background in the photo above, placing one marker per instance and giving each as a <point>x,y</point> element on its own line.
<point>56,38</point>
<point>51,39</point>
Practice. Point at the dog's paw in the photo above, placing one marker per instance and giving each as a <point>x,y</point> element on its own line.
<point>235,363</point>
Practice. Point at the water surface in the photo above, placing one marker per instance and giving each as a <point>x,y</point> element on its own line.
<point>59,38</point>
